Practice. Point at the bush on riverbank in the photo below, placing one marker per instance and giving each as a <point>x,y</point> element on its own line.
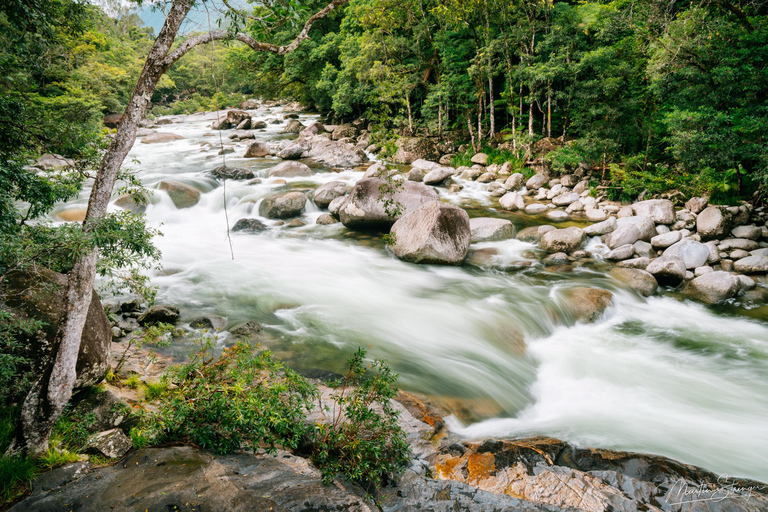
<point>245,399</point>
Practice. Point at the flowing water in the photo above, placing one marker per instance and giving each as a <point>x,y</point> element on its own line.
<point>493,345</point>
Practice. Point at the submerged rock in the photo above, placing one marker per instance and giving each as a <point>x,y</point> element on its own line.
<point>182,195</point>
<point>435,233</point>
<point>587,304</point>
<point>639,280</point>
<point>249,225</point>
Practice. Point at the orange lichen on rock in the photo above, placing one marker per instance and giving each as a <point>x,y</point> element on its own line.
<point>480,466</point>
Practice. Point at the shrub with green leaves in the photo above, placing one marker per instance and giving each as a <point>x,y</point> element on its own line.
<point>363,441</point>
<point>240,399</point>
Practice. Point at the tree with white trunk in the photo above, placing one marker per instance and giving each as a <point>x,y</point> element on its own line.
<point>53,389</point>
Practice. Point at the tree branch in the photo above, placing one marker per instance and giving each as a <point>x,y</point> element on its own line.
<point>218,35</point>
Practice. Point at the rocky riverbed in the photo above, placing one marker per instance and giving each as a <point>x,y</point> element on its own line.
<point>518,305</point>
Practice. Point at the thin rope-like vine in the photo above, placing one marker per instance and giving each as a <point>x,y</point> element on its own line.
<point>221,139</point>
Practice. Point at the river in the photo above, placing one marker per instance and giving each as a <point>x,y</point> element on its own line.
<point>660,375</point>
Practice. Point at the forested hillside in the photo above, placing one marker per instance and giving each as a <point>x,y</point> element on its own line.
<point>675,92</point>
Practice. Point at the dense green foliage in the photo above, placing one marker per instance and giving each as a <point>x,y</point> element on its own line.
<point>675,91</point>
<point>246,399</point>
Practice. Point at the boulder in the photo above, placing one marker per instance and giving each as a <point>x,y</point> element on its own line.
<point>439,175</point>
<point>515,182</point>
<point>315,128</point>
<point>712,287</point>
<point>235,117</point>
<point>487,177</point>
<point>512,201</point>
<point>558,216</point>
<point>639,280</point>
<point>290,169</point>
<point>665,240</point>
<point>565,199</point>
<point>480,159</point>
<point>713,223</point>
<point>246,330</point>
<point>535,208</point>
<point>223,172</point>
<point>327,192</point>
<point>242,134</point>
<point>487,229</point>
<point>40,296</point>
<point>426,165</point>
<point>601,228</point>
<point>182,195</point>
<point>325,219</point>
<point>641,263</point>
<point>661,211</point>
<point>751,232</point>
<point>249,105</point>
<point>696,204</point>
<point>292,152</point>
<point>293,126</point>
<point>336,154</point>
<point>537,181</point>
<point>160,138</point>
<point>208,322</point>
<point>283,206</point>
<point>260,125</point>
<point>744,244</point>
<point>160,314</point>
<point>631,229</point>
<point>694,254</point>
<point>434,233</point>
<point>106,409</point>
<point>249,225</point>
<point>335,205</point>
<point>344,131</point>
<point>415,174</point>
<point>752,265</point>
<point>587,304</point>
<point>410,149</point>
<point>111,443</point>
<point>257,149</point>
<point>644,249</point>
<point>534,233</point>
<point>623,252</point>
<point>369,206</point>
<point>562,240</point>
<point>668,270</point>
<point>596,215</point>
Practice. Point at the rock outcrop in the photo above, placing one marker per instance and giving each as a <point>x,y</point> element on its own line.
<point>370,206</point>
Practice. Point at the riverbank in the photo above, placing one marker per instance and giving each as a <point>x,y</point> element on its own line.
<point>492,341</point>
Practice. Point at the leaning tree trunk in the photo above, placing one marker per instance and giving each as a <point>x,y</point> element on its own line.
<point>52,391</point>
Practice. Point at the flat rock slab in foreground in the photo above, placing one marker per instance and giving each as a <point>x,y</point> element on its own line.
<point>183,478</point>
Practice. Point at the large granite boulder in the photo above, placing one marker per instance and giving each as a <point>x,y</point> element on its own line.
<point>40,296</point>
<point>336,154</point>
<point>283,206</point>
<point>257,149</point>
<point>327,192</point>
<point>371,205</point>
<point>694,254</point>
<point>668,270</point>
<point>290,169</point>
<point>713,223</point>
<point>752,265</point>
<point>562,240</point>
<point>487,229</point>
<point>160,138</point>
<point>293,126</point>
<point>631,229</point>
<point>435,233</point>
<point>661,211</point>
<point>713,287</point>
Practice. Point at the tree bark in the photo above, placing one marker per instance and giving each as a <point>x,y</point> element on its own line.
<point>491,112</point>
<point>52,391</point>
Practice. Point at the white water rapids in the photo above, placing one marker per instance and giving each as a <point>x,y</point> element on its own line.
<point>659,375</point>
